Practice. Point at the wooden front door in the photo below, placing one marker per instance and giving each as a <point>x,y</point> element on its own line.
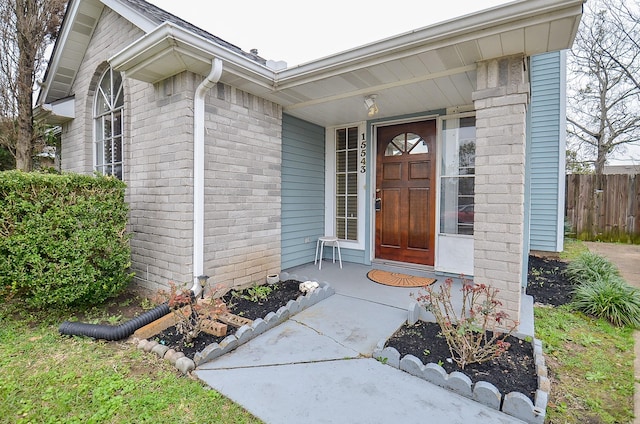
<point>405,192</point>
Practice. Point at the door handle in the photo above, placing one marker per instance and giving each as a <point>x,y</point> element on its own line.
<point>378,204</point>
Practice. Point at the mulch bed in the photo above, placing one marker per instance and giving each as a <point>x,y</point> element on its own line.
<point>282,293</point>
<point>515,369</point>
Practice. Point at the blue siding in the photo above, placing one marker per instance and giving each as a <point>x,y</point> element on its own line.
<point>302,190</point>
<point>547,151</point>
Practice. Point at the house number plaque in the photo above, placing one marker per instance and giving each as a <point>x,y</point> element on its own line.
<point>363,155</point>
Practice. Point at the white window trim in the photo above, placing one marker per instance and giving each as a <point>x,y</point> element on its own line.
<point>330,186</point>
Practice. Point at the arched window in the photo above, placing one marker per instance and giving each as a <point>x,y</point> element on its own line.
<point>108,124</point>
<point>406,143</point>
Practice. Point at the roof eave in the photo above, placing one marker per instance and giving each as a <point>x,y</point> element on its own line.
<point>481,24</point>
<point>170,49</point>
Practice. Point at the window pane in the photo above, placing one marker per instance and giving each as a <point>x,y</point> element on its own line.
<point>457,181</point>
<point>99,154</point>
<point>341,161</point>
<point>353,138</point>
<point>340,229</point>
<point>392,150</point>
<point>352,186</point>
<point>353,161</point>
<point>102,105</point>
<point>117,171</point>
<point>117,149</point>
<point>341,139</point>
<point>98,129</point>
<point>118,95</point>
<point>352,229</point>
<point>340,207</point>
<point>416,144</point>
<point>341,187</point>
<point>117,123</point>
<point>352,207</point>
<point>105,87</point>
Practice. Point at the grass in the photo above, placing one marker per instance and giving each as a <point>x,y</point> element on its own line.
<point>590,364</point>
<point>47,378</point>
<point>572,249</point>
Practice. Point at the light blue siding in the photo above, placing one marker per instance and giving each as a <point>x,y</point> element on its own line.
<point>302,190</point>
<point>546,162</point>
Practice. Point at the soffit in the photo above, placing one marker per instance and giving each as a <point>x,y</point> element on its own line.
<point>70,49</point>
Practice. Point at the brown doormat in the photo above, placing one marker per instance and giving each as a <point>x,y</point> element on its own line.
<point>398,280</point>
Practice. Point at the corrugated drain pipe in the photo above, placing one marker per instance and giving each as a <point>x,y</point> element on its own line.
<point>113,332</point>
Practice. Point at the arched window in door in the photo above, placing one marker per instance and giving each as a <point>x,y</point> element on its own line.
<point>108,124</point>
<point>406,143</point>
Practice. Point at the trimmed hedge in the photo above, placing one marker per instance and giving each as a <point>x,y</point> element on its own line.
<point>62,238</point>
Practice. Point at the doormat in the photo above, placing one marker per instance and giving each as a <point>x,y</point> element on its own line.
<point>398,280</point>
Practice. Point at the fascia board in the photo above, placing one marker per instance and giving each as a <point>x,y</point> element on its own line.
<point>132,15</point>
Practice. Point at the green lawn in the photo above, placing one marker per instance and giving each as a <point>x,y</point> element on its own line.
<point>590,366</point>
<point>47,378</point>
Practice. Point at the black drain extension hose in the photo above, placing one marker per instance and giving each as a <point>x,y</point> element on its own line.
<point>113,332</point>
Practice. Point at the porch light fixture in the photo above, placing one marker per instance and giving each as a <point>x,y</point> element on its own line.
<point>370,104</point>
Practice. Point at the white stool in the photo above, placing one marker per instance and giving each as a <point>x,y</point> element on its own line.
<point>333,241</point>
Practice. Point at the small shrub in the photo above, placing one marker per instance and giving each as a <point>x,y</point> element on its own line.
<point>191,314</point>
<point>474,334</point>
<point>62,239</point>
<point>609,298</point>
<point>256,294</point>
<point>589,266</point>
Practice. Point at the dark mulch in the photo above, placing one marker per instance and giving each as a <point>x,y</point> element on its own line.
<point>512,371</point>
<point>546,281</point>
<point>515,369</point>
<point>282,293</point>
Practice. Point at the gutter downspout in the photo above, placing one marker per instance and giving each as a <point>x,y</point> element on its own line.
<point>198,171</point>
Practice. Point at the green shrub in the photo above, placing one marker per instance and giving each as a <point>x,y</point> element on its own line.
<point>588,267</point>
<point>610,298</point>
<point>62,238</point>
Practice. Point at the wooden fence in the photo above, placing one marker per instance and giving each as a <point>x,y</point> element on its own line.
<point>608,213</point>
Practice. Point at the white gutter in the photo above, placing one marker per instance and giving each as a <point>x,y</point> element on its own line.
<point>198,170</point>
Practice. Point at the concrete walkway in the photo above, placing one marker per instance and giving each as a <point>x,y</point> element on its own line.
<point>317,368</point>
<point>627,258</point>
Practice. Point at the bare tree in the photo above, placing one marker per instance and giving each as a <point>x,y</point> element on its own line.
<point>603,96</point>
<point>27,27</point>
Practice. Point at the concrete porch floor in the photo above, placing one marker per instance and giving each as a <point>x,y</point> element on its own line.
<point>352,281</point>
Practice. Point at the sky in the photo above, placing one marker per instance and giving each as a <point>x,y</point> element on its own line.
<point>296,31</point>
<point>299,31</point>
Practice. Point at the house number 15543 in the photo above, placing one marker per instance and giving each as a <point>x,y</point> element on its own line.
<point>363,155</point>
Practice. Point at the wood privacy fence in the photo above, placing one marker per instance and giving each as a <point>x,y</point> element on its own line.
<point>609,213</point>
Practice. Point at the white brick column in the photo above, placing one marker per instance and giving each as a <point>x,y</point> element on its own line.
<point>500,101</point>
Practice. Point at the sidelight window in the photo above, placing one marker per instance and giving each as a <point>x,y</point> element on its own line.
<point>458,175</point>
<point>348,164</point>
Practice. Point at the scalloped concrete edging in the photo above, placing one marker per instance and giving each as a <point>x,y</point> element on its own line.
<point>242,334</point>
<point>515,404</point>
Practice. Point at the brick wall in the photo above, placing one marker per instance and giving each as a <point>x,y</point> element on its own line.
<point>500,101</point>
<point>243,148</point>
<point>243,157</point>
